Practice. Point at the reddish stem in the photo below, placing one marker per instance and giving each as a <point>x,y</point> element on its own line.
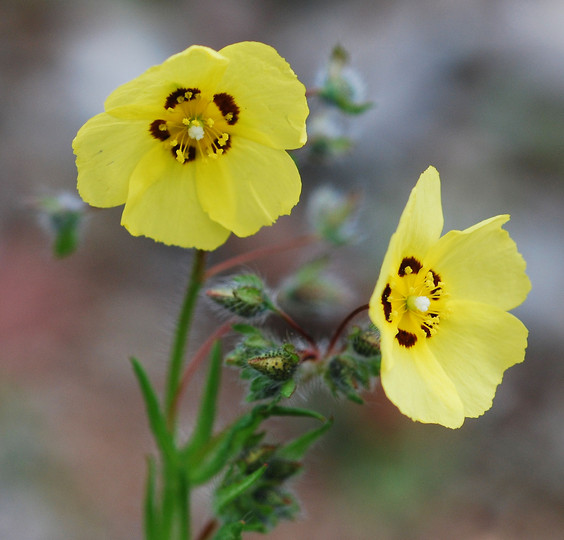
<point>343,325</point>
<point>260,252</point>
<point>208,529</point>
<point>295,326</point>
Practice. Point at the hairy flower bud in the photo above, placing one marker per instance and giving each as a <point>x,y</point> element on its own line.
<point>62,215</point>
<point>278,365</point>
<point>365,342</point>
<point>333,214</point>
<point>244,295</point>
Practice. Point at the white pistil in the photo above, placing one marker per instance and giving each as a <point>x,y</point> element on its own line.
<point>419,303</point>
<point>196,131</point>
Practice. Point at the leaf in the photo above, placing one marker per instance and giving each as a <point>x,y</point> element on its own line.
<point>229,493</point>
<point>150,518</point>
<point>208,406</point>
<point>230,531</point>
<point>157,421</point>
<point>224,446</point>
<point>278,410</point>
<point>299,446</point>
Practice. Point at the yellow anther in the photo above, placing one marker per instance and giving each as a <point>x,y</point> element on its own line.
<point>180,99</point>
<point>162,127</point>
<point>180,156</point>
<point>229,117</point>
<point>408,270</point>
<point>209,122</point>
<point>186,121</point>
<point>174,142</point>
<point>188,95</point>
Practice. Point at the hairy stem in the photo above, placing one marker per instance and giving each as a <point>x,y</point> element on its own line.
<point>195,283</point>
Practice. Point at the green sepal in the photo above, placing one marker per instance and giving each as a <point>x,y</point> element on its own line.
<point>157,420</point>
<point>208,405</point>
<point>226,495</point>
<point>230,531</point>
<point>297,448</point>
<point>288,388</point>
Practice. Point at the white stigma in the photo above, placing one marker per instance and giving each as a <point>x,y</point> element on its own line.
<point>422,303</point>
<point>196,132</point>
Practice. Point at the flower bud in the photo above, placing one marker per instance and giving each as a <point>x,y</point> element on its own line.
<point>245,296</point>
<point>62,215</point>
<point>365,342</point>
<point>278,365</point>
<point>341,86</point>
<point>333,214</point>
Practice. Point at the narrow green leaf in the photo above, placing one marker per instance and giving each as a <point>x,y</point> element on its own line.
<point>228,494</point>
<point>278,410</point>
<point>224,446</point>
<point>230,531</point>
<point>208,405</point>
<point>298,447</point>
<point>157,421</point>
<point>150,518</point>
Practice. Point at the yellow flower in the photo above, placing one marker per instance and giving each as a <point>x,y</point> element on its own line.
<point>195,147</point>
<point>441,306</point>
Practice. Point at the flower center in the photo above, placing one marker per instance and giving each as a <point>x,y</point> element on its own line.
<point>418,303</point>
<point>195,126</point>
<point>413,299</point>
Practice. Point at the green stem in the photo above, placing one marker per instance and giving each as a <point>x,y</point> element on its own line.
<point>181,335</point>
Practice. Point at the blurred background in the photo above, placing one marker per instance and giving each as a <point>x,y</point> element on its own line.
<point>474,88</point>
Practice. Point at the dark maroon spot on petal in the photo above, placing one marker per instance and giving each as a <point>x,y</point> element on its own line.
<point>406,339</point>
<point>158,130</point>
<point>180,95</point>
<point>386,303</point>
<point>412,262</point>
<point>226,104</point>
<point>426,329</point>
<point>436,278</point>
<point>189,153</point>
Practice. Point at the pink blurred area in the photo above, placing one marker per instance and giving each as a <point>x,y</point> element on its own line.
<point>474,88</point>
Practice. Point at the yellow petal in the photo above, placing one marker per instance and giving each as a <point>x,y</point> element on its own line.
<point>419,228</point>
<point>248,187</point>
<point>482,264</point>
<point>272,100</point>
<point>107,151</point>
<point>417,384</point>
<point>474,345</point>
<point>196,67</point>
<point>162,204</point>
